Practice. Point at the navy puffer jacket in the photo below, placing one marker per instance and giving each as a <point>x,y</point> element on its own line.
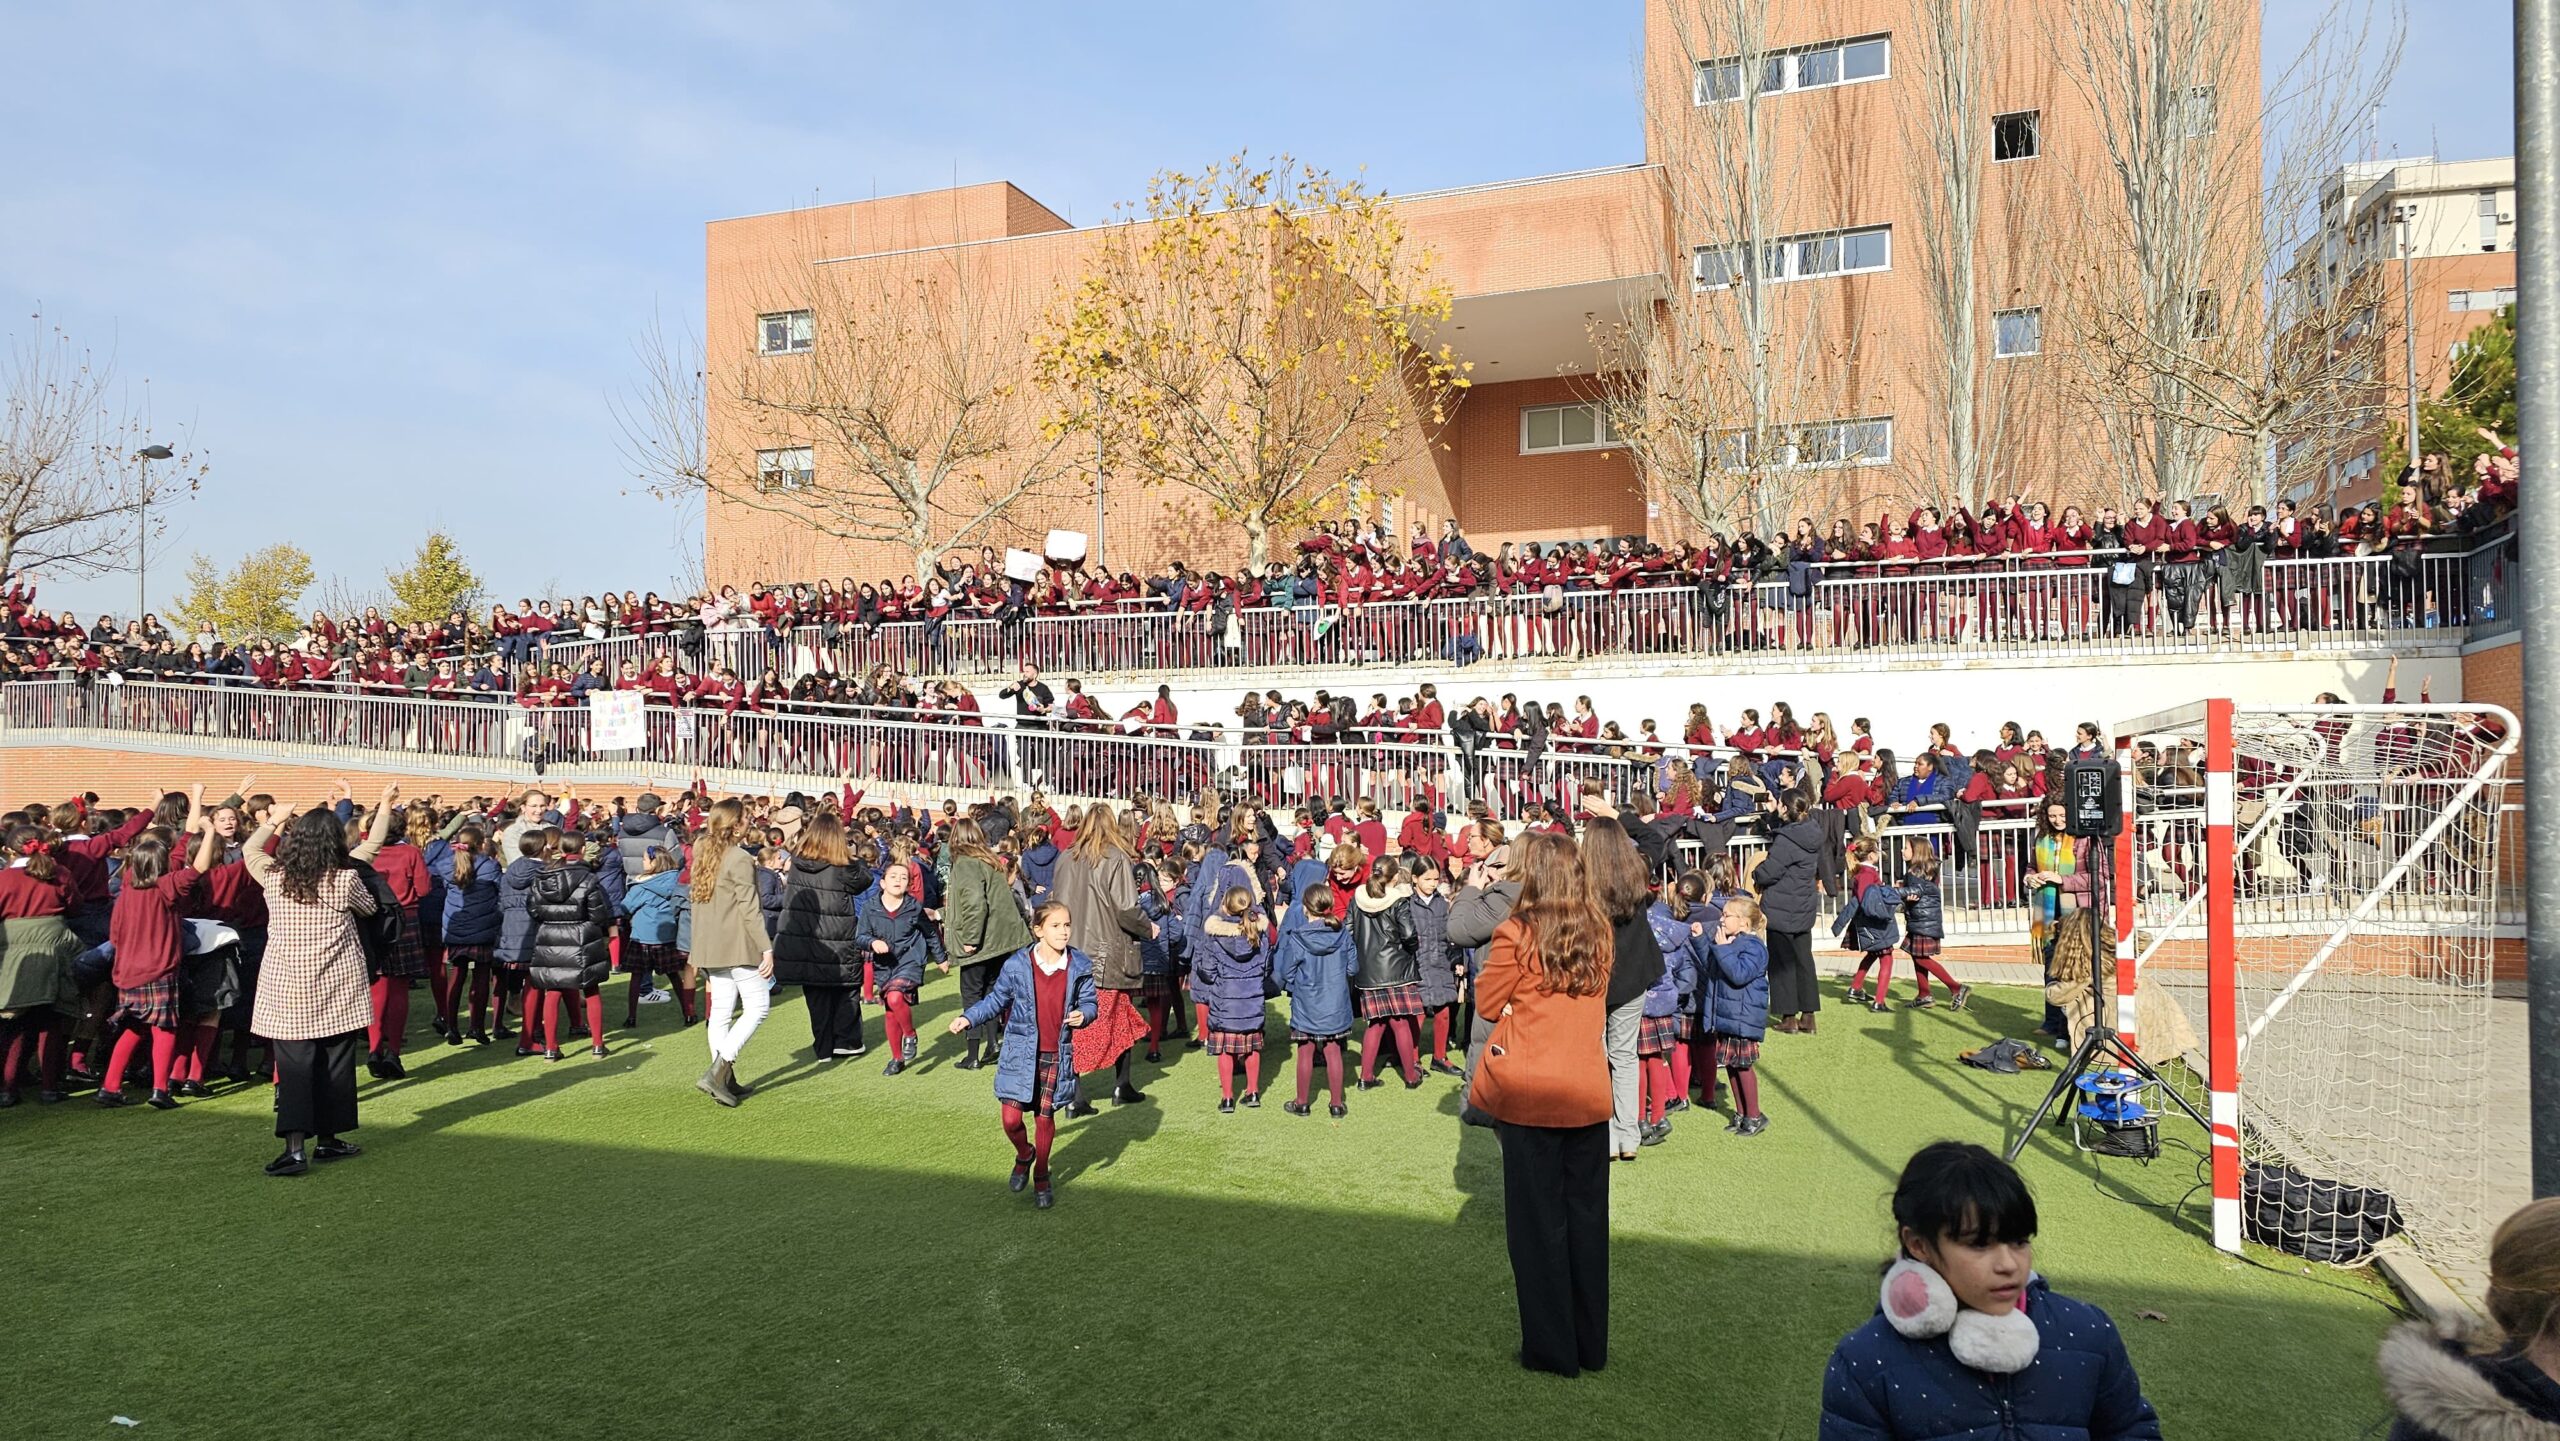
<point>1885,1386</point>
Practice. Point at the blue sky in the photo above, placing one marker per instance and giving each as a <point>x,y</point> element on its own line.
<point>387,263</point>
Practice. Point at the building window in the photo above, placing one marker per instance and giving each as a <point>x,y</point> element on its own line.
<point>2204,317</point>
<point>2201,114</point>
<point>1807,67</point>
<point>2358,468</point>
<point>1824,443</point>
<point>1545,428</point>
<point>791,468</point>
<point>2018,332</point>
<point>2488,220</point>
<point>2014,136</point>
<point>786,333</point>
<point>2499,299</point>
<point>1798,257</point>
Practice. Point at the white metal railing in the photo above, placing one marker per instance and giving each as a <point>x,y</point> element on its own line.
<point>1969,605</point>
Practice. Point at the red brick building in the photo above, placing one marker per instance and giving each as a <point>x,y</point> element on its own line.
<point>1535,265</point>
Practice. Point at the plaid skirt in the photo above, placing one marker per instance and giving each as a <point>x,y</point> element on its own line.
<point>1233,1043</point>
<point>1300,1038</point>
<point>408,958</point>
<point>1657,1035</point>
<point>637,956</point>
<point>153,1003</point>
<point>1733,1052</point>
<point>1044,1083</point>
<point>1159,988</point>
<point>1386,1003</point>
<point>1921,947</point>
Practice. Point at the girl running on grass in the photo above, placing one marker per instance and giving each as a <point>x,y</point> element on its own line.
<point>1314,964</point>
<point>1045,993</point>
<point>1229,970</point>
<point>892,936</point>
<point>1733,1005</point>
<point>1924,927</point>
<point>1869,924</point>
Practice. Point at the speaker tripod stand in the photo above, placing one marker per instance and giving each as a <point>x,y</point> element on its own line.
<point>2102,1042</point>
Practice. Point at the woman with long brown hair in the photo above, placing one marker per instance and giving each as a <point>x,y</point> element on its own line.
<point>1544,1078</point>
<point>313,1001</point>
<point>730,948</point>
<point>1100,891</point>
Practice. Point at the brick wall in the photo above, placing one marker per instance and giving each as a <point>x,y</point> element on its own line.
<point>132,777</point>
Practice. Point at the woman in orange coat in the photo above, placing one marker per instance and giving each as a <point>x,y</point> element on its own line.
<point>1544,1078</point>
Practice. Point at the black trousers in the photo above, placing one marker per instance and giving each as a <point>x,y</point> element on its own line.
<point>835,1019</point>
<point>316,1085</point>
<point>1555,1214</point>
<point>1794,989</point>
<point>976,979</point>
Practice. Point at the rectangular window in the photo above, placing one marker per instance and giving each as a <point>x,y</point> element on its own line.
<point>2488,220</point>
<point>2018,332</point>
<point>786,332</point>
<point>1823,443</point>
<point>2014,136</point>
<point>2457,300</point>
<point>2201,114</point>
<point>2499,299</point>
<point>2204,318</point>
<point>1545,428</point>
<point>2358,468</point>
<point>1798,257</point>
<point>791,468</point>
<point>1806,67</point>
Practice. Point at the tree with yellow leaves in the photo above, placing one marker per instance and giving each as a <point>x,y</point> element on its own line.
<point>254,598</point>
<point>436,583</point>
<point>1252,338</point>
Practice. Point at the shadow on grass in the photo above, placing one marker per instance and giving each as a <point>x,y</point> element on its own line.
<point>682,1294</point>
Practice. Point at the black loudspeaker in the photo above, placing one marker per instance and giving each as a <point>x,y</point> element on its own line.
<point>2090,796</point>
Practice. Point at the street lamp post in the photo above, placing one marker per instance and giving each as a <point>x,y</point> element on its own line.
<point>2407,215</point>
<point>142,534</point>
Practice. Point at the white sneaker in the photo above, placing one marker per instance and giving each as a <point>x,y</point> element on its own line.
<point>656,997</point>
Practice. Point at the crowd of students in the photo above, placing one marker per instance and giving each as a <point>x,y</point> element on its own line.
<point>2157,565</point>
<point>1084,942</point>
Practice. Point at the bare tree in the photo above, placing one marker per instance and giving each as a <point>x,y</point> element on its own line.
<point>905,386</point>
<point>1977,237</point>
<point>1734,393</point>
<point>2207,325</point>
<point>73,492</point>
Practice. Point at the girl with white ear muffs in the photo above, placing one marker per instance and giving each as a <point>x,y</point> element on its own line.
<point>1967,1339</point>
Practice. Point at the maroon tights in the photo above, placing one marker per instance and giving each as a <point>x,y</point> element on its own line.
<point>1031,1149</point>
<point>1307,1069</point>
<point>1371,1053</point>
<point>1227,1074</point>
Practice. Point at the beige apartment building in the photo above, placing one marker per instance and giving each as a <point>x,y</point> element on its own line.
<point>1830,221</point>
<point>2438,241</point>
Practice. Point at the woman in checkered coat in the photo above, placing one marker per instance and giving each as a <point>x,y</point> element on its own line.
<point>313,1001</point>
<point>1388,985</point>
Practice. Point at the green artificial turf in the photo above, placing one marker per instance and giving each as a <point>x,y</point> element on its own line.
<point>594,1249</point>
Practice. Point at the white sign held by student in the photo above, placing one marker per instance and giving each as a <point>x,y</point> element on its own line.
<point>613,720</point>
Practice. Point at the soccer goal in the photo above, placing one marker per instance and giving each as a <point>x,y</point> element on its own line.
<point>2306,919</point>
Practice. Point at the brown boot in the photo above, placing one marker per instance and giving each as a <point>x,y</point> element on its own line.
<point>1804,1024</point>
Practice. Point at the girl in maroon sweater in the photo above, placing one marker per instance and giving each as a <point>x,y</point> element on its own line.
<point>36,951</point>
<point>150,943</point>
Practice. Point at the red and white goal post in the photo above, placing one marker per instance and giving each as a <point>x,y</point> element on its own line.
<point>2319,885</point>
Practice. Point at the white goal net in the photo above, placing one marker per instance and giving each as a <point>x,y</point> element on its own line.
<point>2317,886</point>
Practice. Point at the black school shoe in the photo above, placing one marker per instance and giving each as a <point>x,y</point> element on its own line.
<point>1226,1105</point>
<point>1337,1112</point>
<point>1297,1108</point>
<point>1253,1100</point>
<point>1043,1198</point>
<point>1021,1177</point>
<point>1751,1126</point>
<point>291,1163</point>
<point>336,1151</point>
